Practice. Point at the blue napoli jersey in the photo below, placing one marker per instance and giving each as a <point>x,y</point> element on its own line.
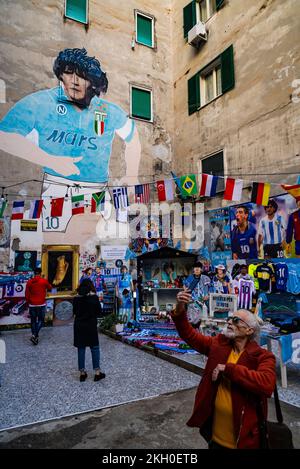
<point>125,281</point>
<point>126,302</point>
<point>244,244</point>
<point>293,283</point>
<point>282,274</point>
<point>58,127</point>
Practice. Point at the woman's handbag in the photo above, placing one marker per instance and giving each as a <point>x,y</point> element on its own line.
<point>274,435</point>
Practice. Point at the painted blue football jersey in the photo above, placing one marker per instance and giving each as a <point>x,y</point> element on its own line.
<point>59,128</point>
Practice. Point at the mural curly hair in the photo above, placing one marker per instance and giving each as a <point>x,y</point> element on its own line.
<point>76,60</point>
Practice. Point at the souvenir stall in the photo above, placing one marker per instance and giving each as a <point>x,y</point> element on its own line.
<point>161,276</point>
<point>249,269</point>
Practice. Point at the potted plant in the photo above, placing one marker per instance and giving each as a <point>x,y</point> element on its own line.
<point>113,322</point>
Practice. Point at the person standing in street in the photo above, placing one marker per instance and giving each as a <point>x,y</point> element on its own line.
<point>35,294</point>
<point>238,378</point>
<point>86,309</point>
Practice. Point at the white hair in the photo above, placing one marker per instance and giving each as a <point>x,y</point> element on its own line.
<point>254,322</point>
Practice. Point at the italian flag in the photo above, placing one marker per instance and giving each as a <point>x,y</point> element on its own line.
<point>77,204</point>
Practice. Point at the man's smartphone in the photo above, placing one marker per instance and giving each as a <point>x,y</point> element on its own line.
<point>192,285</point>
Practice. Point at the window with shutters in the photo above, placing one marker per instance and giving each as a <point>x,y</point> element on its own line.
<point>199,10</point>
<point>211,81</point>
<point>144,27</point>
<point>214,164</point>
<point>141,103</point>
<point>77,10</point>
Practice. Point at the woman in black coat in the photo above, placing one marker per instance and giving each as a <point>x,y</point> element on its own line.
<point>86,309</point>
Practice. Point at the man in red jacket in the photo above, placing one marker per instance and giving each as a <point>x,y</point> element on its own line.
<point>239,376</point>
<point>35,294</point>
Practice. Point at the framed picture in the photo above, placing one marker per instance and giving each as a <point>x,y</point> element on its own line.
<point>60,265</point>
<point>25,261</point>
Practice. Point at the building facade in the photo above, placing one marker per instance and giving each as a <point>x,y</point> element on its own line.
<point>236,95</point>
<point>222,99</point>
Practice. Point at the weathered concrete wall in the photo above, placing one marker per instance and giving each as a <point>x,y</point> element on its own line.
<point>256,123</point>
<point>32,33</point>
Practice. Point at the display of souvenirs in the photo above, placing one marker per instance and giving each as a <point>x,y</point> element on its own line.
<point>157,284</point>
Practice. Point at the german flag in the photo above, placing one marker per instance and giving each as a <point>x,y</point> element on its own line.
<point>260,193</point>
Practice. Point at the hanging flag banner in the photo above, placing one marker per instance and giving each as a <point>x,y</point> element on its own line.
<point>17,210</point>
<point>177,182</point>
<point>3,205</point>
<point>77,204</point>
<point>142,194</point>
<point>131,194</point>
<point>98,201</point>
<point>293,190</point>
<point>188,184</point>
<point>57,207</point>
<point>120,197</point>
<point>35,210</point>
<point>233,189</point>
<point>165,190</point>
<point>208,185</point>
<point>260,193</point>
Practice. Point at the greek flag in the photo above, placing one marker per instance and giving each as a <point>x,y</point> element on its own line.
<point>120,197</point>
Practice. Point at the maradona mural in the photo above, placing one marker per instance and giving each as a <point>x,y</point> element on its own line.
<point>69,130</point>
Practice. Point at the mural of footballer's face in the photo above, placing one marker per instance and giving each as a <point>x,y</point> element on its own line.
<point>75,86</point>
<point>241,216</point>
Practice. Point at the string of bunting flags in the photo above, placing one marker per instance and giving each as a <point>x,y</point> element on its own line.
<point>187,185</point>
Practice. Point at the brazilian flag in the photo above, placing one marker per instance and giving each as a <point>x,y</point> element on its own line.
<point>189,184</point>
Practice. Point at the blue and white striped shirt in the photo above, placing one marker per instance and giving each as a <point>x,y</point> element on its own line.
<point>272,231</point>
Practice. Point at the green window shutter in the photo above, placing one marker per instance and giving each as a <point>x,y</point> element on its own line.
<point>77,10</point>
<point>227,69</point>
<point>144,30</point>
<point>189,17</point>
<point>219,4</point>
<point>194,93</point>
<point>141,103</point>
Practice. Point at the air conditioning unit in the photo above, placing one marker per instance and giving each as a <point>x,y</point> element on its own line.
<point>197,34</point>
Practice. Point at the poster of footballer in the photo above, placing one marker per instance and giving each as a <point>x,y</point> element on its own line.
<point>264,232</point>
